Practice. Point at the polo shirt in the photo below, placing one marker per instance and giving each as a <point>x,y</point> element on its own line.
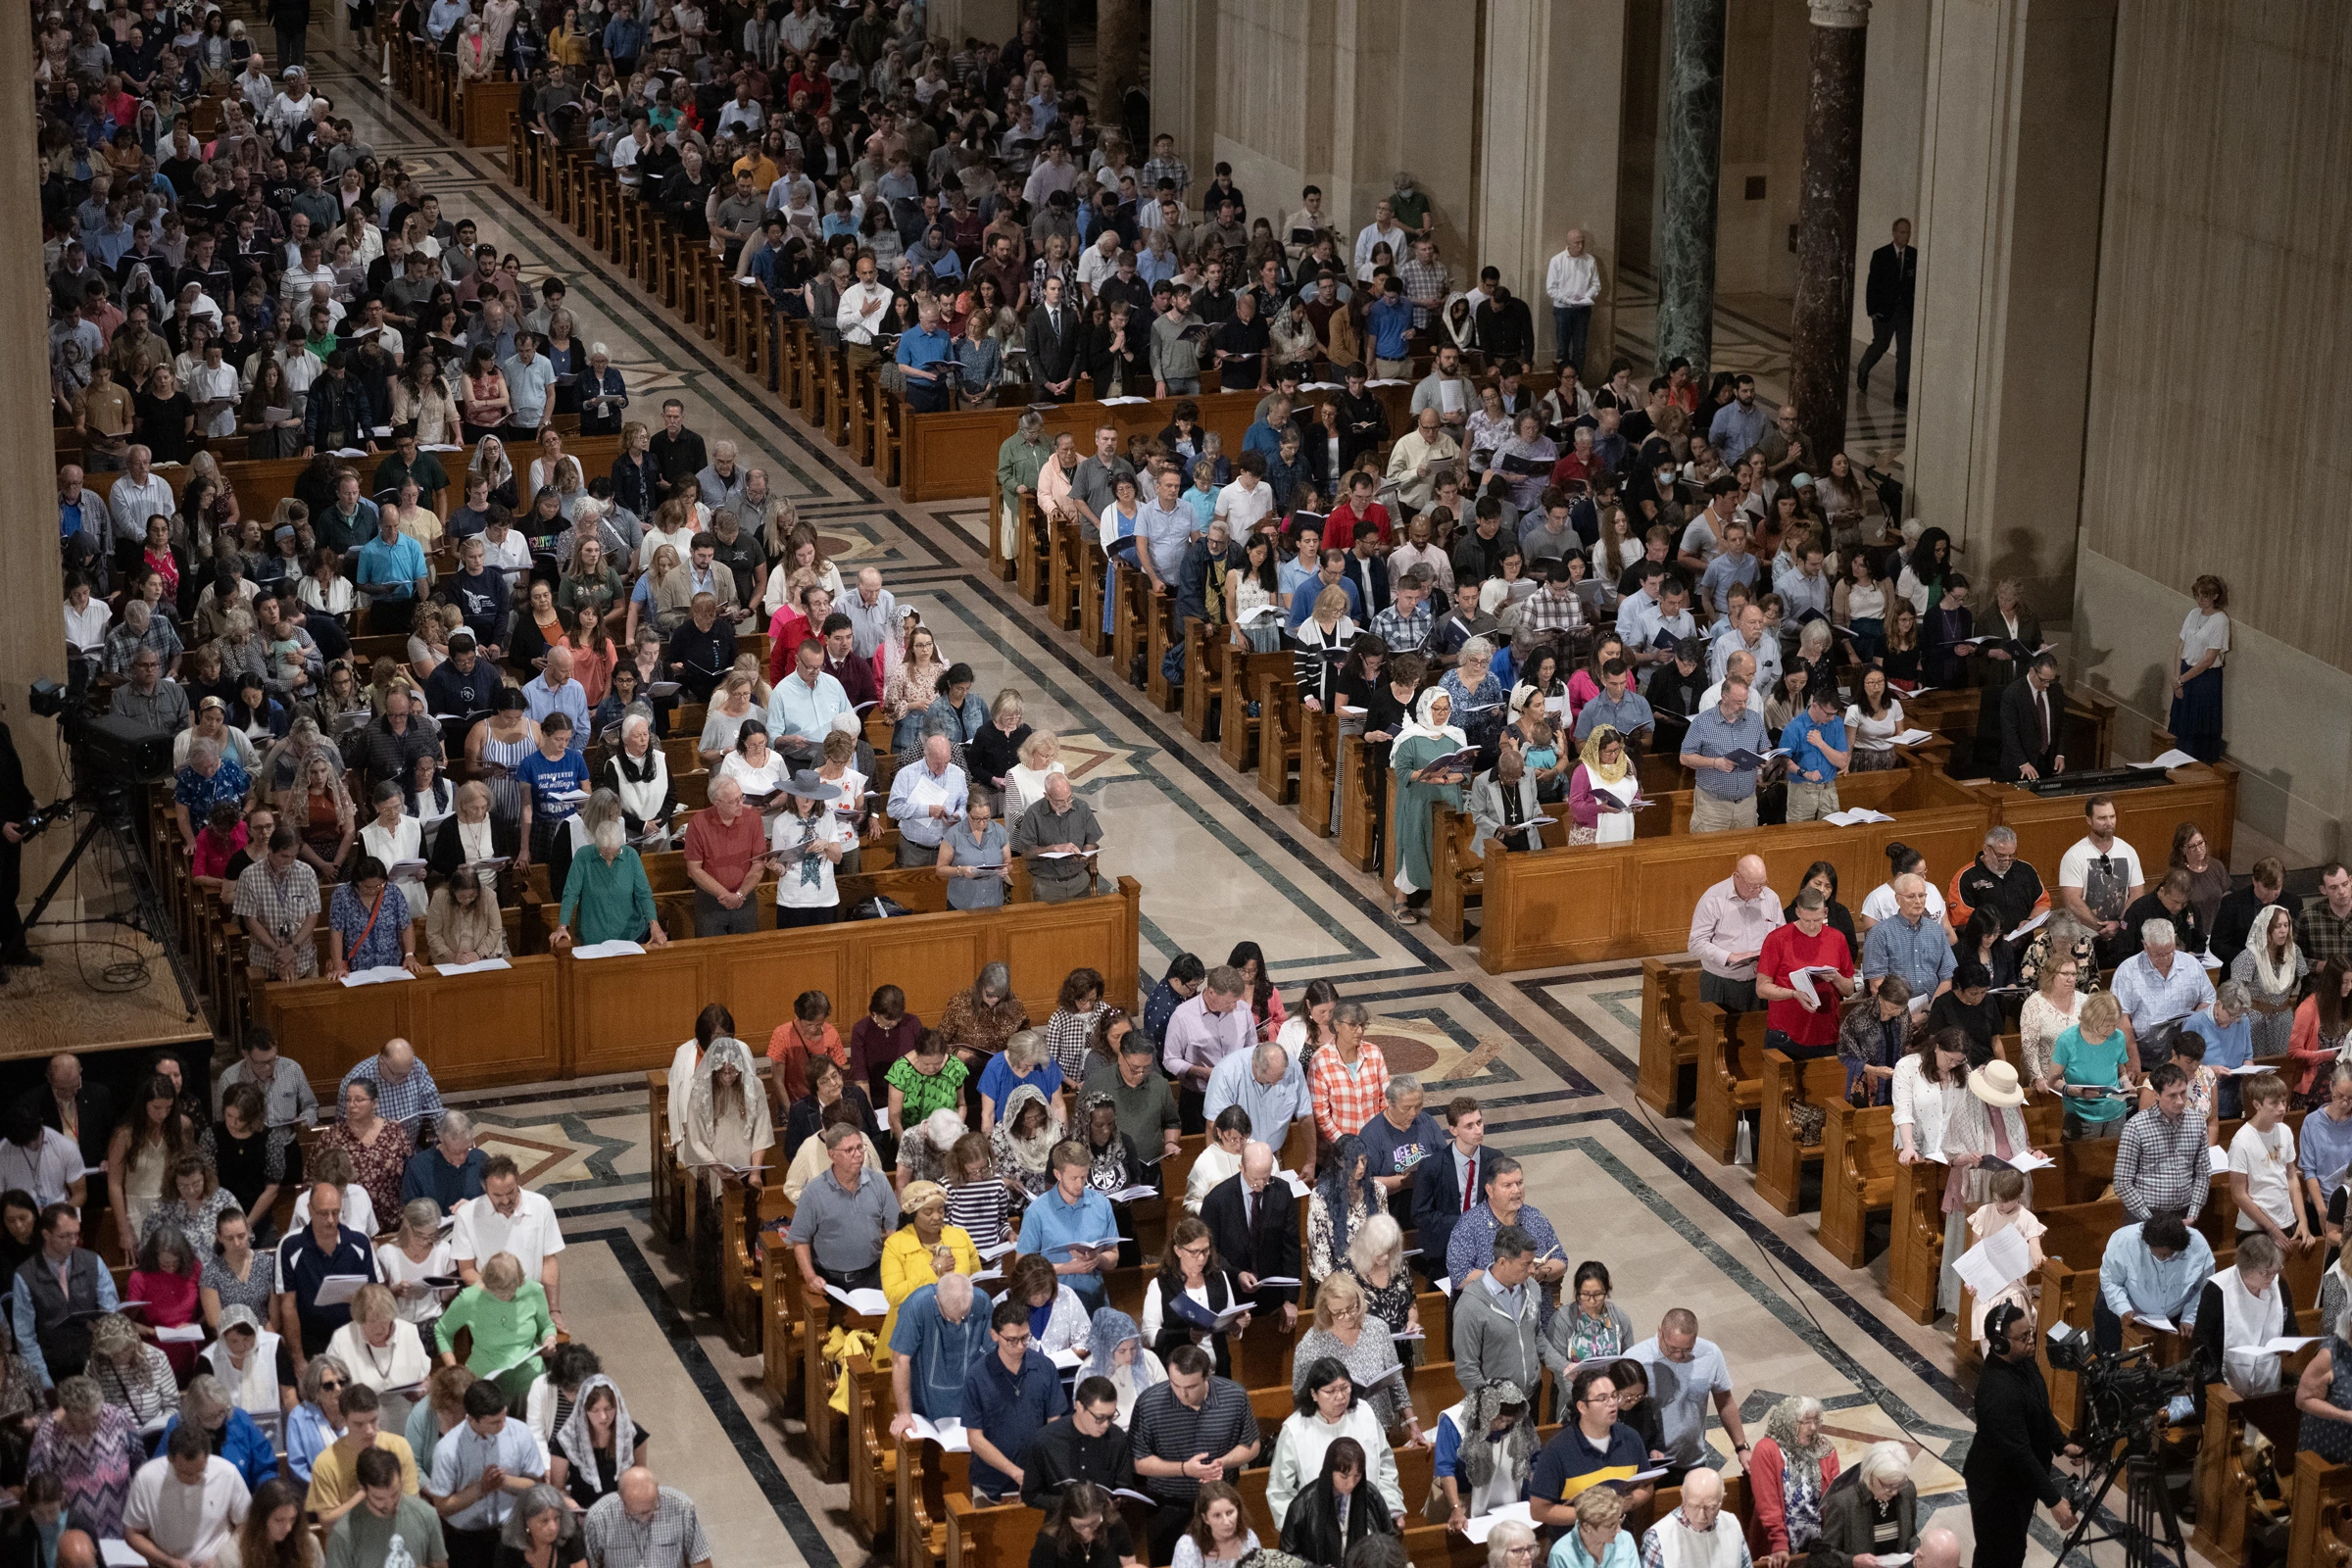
<point>302,1264</point>
<point>939,1353</point>
<point>1788,949</point>
<point>526,388</point>
<point>429,1175</point>
<point>531,1233</point>
<point>1009,1410</point>
<point>843,1230</point>
<point>397,565</point>
<point>1146,1111</point>
<point>1163,1427</point>
<point>1052,1222</point>
<point>1712,735</point>
<point>725,853</point>
<point>1918,953</point>
<point>1806,758</point>
<point>1571,1462</point>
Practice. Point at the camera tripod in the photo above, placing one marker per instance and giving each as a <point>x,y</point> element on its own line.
<point>108,817</point>
<point>2148,1506</point>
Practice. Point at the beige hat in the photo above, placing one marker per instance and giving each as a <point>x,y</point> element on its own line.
<point>1995,1083</point>
<point>920,1195</point>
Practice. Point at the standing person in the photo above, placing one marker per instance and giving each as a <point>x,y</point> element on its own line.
<point>1729,927</point>
<point>391,1526</point>
<point>643,1524</point>
<point>56,1289</point>
<point>1803,1015</point>
<point>479,1469</point>
<point>1886,298</point>
<point>2008,1466</point>
<point>1196,1428</point>
<point>2196,719</point>
<point>1687,1374</point>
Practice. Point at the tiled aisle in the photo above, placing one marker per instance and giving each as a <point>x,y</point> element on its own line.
<point>1550,1054</point>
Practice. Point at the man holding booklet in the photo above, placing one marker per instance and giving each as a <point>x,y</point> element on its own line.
<point>1071,1224</point>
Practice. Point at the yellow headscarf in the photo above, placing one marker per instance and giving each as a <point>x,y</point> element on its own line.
<point>1596,742</point>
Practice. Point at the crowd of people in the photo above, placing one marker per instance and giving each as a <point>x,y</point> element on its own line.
<point>386,1384</point>
<point>2142,1005</point>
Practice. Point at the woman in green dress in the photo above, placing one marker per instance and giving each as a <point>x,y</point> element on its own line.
<point>510,1326</point>
<point>1428,739</point>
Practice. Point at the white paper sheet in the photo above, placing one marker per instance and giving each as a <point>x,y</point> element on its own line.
<point>870,1301</point>
<point>337,1289</point>
<point>948,1434</point>
<point>2034,924</point>
<point>1477,1529</point>
<point>1993,1263</point>
<point>2216,1159</point>
<point>608,950</point>
<point>382,974</point>
<point>478,966</point>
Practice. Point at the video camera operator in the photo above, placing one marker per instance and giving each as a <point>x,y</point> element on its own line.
<point>2008,1467</point>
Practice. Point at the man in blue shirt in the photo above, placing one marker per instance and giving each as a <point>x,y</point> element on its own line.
<point>1738,425</point>
<point>553,691</point>
<point>1268,1086</point>
<point>393,575</point>
<point>2155,1269</point>
<point>1165,527</point>
<point>530,378</point>
<point>1387,321</point>
<point>549,777</point>
<point>1396,1141</point>
<point>1265,436</point>
<point>1333,573</point>
<point>1619,707</point>
<point>1725,800</point>
<point>625,39</point>
<point>923,350</point>
<point>1008,1396</point>
<point>1066,1221</point>
<point>802,706</point>
<point>940,1331</point>
<point>2227,1029</point>
<point>308,1256</point>
<point>1735,566</point>
<point>1815,741</point>
<point>1910,943</point>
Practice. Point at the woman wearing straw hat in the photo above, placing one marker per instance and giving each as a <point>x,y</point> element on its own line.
<point>807,843</point>
<point>1983,1132</point>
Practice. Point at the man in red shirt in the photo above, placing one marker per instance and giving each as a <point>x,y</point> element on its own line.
<point>1359,506</point>
<point>723,847</point>
<point>1577,465</point>
<point>1789,1026</point>
<point>792,627</point>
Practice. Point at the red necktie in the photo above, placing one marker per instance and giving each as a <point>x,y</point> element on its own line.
<point>1469,1184</point>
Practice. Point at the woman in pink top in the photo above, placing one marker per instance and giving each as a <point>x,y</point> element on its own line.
<point>1584,684</point>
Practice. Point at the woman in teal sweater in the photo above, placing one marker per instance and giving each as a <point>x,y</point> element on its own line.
<point>510,1326</point>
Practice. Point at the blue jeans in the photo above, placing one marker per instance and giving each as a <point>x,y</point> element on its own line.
<point>1184,387</point>
<point>1122,554</point>
<point>1569,325</point>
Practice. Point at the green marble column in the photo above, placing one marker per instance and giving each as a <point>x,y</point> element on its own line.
<point>1822,333</point>
<point>1692,168</point>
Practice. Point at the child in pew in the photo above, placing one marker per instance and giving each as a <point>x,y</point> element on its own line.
<point>2006,1211</point>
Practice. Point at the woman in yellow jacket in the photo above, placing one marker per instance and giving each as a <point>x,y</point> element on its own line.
<point>919,1251</point>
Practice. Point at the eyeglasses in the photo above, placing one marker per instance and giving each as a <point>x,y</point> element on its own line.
<point>329,1385</point>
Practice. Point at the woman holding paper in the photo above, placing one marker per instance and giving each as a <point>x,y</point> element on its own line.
<point>395,838</point>
<point>1873,721</point>
<point>382,1350</point>
<point>919,1251</point>
<point>510,1326</point>
<point>2241,1309</point>
<point>1503,804</point>
<point>1193,1273</point>
<point>1789,1469</point>
<point>1346,1333</point>
<point>1331,1409</point>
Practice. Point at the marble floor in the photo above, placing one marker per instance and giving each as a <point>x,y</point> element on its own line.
<point>1550,1054</point>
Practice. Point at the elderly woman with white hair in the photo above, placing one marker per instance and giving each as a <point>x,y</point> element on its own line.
<point>130,1372</point>
<point>510,1325</point>
<point>383,1351</point>
<point>1872,1511</point>
<point>637,772</point>
<point>607,890</point>
<point>604,396</point>
<point>1512,1545</point>
<point>420,1252</point>
<point>227,1430</point>
<point>1789,1469</point>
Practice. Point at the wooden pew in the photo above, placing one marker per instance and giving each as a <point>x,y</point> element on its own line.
<point>1278,733</point>
<point>1361,833</point>
<point>1160,635</point>
<point>664,1173</point>
<point>992,1534</point>
<point>743,1288</point>
<point>1549,907</point>
<point>1669,1042</point>
<point>1031,566</point>
<point>2323,1512</point>
<point>781,1350</point>
<point>1318,768</point>
<point>1915,1259</point>
<point>2228,1502</point>
<point>1781,1159</point>
<point>873,1454</point>
<point>1064,601</point>
<point>2047,828</point>
<point>1731,1076</point>
<point>927,1476</point>
<point>1857,1176</point>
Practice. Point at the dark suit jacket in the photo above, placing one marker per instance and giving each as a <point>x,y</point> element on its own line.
<point>1891,279</point>
<point>97,1118</point>
<point>1271,1250</point>
<point>1438,1202</point>
<point>2021,729</point>
<point>1053,356</point>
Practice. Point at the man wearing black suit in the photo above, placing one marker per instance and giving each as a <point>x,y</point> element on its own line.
<point>83,1112</point>
<point>2032,714</point>
<point>1252,1221</point>
<point>1449,1184</point>
<point>1055,331</point>
<point>1886,296</point>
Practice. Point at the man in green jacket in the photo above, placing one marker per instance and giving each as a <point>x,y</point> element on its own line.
<point>1018,460</point>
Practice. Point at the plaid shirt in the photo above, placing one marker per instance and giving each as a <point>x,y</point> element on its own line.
<point>2321,936</point>
<point>2162,1163</point>
<point>1157,170</point>
<point>1423,280</point>
<point>281,904</point>
<point>672,1538</point>
<point>1343,1100</point>
<point>415,1097</point>
<point>1544,610</point>
<point>1403,633</point>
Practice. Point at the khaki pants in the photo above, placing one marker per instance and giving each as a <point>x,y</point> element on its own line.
<point>1711,815</point>
<point>1810,802</point>
<point>1392,370</point>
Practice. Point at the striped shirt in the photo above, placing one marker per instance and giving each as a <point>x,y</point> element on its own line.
<point>978,1208</point>
<point>1164,1427</point>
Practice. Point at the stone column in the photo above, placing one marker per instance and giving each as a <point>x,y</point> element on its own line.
<point>29,647</point>
<point>1693,155</point>
<point>1118,57</point>
<point>1821,344</point>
